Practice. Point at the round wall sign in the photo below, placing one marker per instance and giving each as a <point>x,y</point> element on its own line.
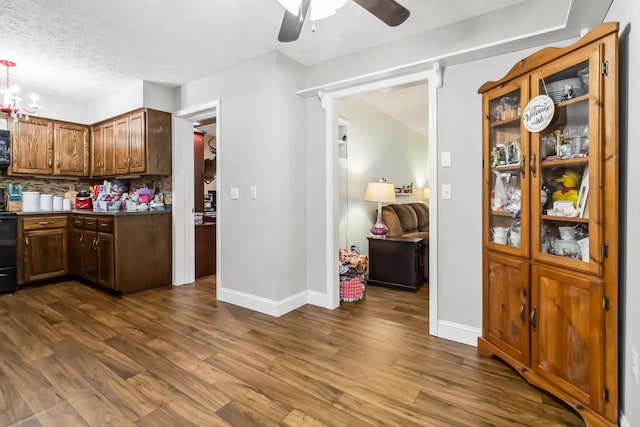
<point>538,113</point>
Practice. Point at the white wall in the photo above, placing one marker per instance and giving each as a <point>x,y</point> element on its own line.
<point>263,241</point>
<point>626,11</point>
<point>378,146</point>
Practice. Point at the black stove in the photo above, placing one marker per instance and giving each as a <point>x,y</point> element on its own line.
<point>8,238</point>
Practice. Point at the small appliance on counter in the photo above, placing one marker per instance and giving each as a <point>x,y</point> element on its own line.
<point>83,200</point>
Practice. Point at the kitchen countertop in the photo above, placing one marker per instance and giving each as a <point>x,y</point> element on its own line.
<point>92,212</point>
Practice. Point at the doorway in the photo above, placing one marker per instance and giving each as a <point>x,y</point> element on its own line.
<point>330,101</point>
<point>184,214</point>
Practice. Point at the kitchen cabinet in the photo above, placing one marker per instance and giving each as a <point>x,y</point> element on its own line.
<point>123,252</point>
<point>47,147</point>
<point>92,250</point>
<point>102,150</point>
<point>42,243</point>
<point>32,146</point>
<point>550,257</point>
<point>140,143</point>
<point>71,149</point>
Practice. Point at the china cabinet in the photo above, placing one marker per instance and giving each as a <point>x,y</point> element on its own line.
<point>550,222</point>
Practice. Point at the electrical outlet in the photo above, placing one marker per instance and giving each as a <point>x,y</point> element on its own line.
<point>254,192</point>
<point>634,364</point>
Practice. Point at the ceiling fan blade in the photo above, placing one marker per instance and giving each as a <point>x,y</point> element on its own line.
<point>388,11</point>
<point>292,24</point>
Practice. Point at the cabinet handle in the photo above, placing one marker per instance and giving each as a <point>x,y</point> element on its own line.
<point>44,222</point>
<point>522,317</point>
<point>26,240</point>
<point>104,225</point>
<point>532,318</point>
<point>95,244</point>
<point>532,165</point>
<point>81,238</point>
<point>523,161</point>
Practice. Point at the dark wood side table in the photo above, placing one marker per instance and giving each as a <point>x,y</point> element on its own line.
<point>396,262</point>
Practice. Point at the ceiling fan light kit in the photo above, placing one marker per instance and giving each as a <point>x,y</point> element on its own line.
<point>388,11</point>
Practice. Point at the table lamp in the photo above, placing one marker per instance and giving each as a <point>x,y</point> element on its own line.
<point>381,192</point>
<point>425,194</point>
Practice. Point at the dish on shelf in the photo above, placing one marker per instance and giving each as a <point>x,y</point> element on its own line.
<point>562,90</point>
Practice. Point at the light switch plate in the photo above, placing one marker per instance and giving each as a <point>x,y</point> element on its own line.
<point>446,192</point>
<point>445,159</point>
<point>234,193</point>
<point>253,192</point>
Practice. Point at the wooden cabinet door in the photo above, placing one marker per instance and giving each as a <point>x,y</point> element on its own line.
<point>45,254</point>
<point>97,150</point>
<point>567,339</point>
<point>76,249</point>
<point>104,246</point>
<point>506,305</point>
<point>121,146</point>
<point>137,143</point>
<point>109,153</point>
<point>32,147</point>
<point>71,149</point>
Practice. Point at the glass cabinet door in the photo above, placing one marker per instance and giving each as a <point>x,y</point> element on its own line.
<point>505,176</point>
<point>566,176</point>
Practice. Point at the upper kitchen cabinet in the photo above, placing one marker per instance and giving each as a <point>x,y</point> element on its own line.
<point>32,147</point>
<point>71,149</point>
<point>48,147</point>
<point>136,143</point>
<point>102,146</point>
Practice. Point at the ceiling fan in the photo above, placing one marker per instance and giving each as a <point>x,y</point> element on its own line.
<point>388,11</point>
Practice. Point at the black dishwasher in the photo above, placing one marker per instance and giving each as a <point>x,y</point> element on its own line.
<point>8,237</point>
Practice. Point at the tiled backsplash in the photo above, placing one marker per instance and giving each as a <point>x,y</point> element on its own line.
<point>58,187</point>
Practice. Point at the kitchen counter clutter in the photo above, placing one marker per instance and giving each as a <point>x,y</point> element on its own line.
<point>125,252</point>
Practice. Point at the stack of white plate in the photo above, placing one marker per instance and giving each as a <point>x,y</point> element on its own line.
<point>560,88</point>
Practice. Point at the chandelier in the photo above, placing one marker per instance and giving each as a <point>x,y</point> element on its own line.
<point>10,99</point>
<point>319,8</point>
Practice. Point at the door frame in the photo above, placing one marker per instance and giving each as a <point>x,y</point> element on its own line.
<point>183,223</point>
<point>329,101</point>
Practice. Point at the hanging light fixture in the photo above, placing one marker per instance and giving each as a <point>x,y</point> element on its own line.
<point>319,8</point>
<point>10,99</point>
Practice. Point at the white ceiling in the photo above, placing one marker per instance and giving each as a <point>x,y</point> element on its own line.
<point>81,50</point>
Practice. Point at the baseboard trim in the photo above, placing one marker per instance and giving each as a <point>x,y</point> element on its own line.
<point>319,299</point>
<point>459,333</point>
<point>623,420</point>
<point>263,305</point>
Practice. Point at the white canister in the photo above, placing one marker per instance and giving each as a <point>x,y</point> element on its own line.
<point>46,202</point>
<point>66,204</point>
<point>57,203</point>
<point>30,201</point>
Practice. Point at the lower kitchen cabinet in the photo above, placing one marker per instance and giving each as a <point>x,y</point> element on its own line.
<point>91,251</point>
<point>42,248</point>
<point>125,253</point>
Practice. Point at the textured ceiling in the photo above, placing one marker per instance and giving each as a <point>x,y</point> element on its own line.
<point>82,49</point>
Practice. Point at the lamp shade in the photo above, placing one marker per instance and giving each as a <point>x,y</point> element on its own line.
<point>425,194</point>
<point>380,192</point>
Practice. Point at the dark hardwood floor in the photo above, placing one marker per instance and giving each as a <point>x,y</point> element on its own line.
<point>71,355</point>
